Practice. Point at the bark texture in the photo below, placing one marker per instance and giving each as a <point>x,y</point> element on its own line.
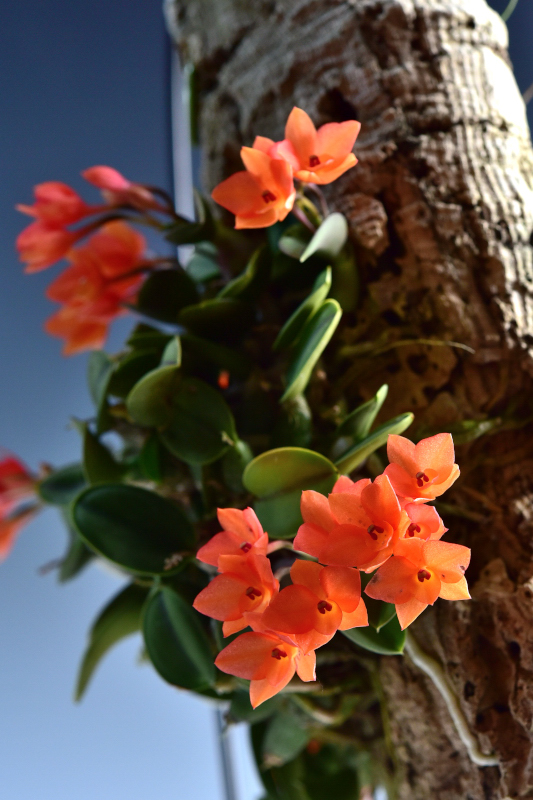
<point>441,211</point>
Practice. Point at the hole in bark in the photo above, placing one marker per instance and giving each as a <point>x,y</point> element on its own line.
<point>391,317</point>
<point>471,23</point>
<point>514,650</point>
<point>469,690</point>
<point>393,368</point>
<point>531,238</point>
<point>418,363</point>
<point>501,708</point>
<point>336,107</point>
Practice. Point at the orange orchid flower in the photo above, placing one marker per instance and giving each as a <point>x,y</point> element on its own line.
<point>315,156</point>
<point>57,205</point>
<point>268,661</point>
<point>418,574</point>
<point>424,471</point>
<point>246,584</point>
<point>321,601</point>
<point>261,194</point>
<point>118,190</point>
<point>16,483</point>
<point>41,245</point>
<point>356,526</point>
<point>424,522</point>
<point>242,533</point>
<point>10,528</point>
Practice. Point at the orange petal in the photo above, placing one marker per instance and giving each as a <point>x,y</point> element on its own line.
<point>413,550</point>
<point>403,484</point>
<point>348,546</point>
<point>220,598</point>
<point>348,510</point>
<point>380,502</point>
<point>301,132</point>
<point>263,143</point>
<point>233,626</point>
<point>286,151</point>
<point>427,519</point>
<point>248,656</point>
<point>448,560</point>
<point>307,573</point>
<point>316,510</point>
<point>257,220</point>
<point>427,587</point>
<point>292,610</point>
<point>343,585</point>
<point>337,138</point>
<point>244,523</point>
<point>327,173</point>
<point>106,178</point>
<point>408,612</point>
<point>239,193</point>
<point>343,484</point>
<point>436,452</point>
<point>401,451</point>
<point>355,619</point>
<point>394,582</point>
<point>328,619</point>
<point>455,591</point>
<point>224,543</point>
<point>310,539</point>
<point>10,529</point>
<point>306,666</point>
<point>263,690</point>
<point>440,488</point>
<point>308,642</point>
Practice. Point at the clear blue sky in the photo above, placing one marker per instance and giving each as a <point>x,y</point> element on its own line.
<point>84,83</point>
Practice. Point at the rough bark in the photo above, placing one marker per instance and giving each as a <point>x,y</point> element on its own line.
<point>441,210</point>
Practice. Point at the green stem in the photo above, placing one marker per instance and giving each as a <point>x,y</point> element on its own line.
<point>509,10</point>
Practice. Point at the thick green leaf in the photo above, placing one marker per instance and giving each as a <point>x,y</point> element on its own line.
<point>278,478</point>
<point>345,279</point>
<point>185,232</point>
<point>241,709</point>
<point>133,527</point>
<point>130,370</point>
<point>388,642</point>
<point>177,643</point>
<point>99,369</point>
<point>285,738</point>
<point>203,353</point>
<point>294,240</point>
<point>203,265</point>
<point>172,353</point>
<point>99,464</point>
<point>77,556</point>
<point>201,425</point>
<point>358,423</point>
<point>145,337</point>
<point>251,282</point>
<point>360,452</point>
<point>150,459</point>
<point>120,618</point>
<point>311,343</point>
<point>234,462</point>
<point>294,425</point>
<point>63,485</point>
<point>223,319</point>
<point>149,402</point>
<point>289,333</point>
<point>164,293</point>
<point>329,239</point>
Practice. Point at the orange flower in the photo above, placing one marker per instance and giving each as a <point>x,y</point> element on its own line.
<point>245,585</point>
<point>418,573</point>
<point>242,533</point>
<point>260,195</point>
<point>17,487</point>
<point>423,471</point>
<point>96,286</point>
<point>424,522</point>
<point>10,529</point>
<point>315,156</point>
<point>118,190</point>
<point>57,205</point>
<point>321,601</point>
<point>267,661</point>
<point>41,245</point>
<point>355,527</point>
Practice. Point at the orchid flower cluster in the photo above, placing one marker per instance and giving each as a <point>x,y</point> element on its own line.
<point>385,525</point>
<point>17,500</point>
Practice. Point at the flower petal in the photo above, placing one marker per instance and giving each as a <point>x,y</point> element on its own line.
<point>394,582</point>
<point>401,451</point>
<point>316,510</point>
<point>408,612</point>
<point>302,134</point>
<point>293,610</point>
<point>436,452</point>
<point>343,585</point>
<point>380,502</point>
<point>240,194</point>
<point>306,666</point>
<point>310,539</point>
<point>307,573</point>
<point>248,656</point>
<point>455,591</point>
<point>448,560</point>
<point>337,138</point>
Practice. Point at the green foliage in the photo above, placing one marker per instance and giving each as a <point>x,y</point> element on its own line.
<point>99,465</point>
<point>224,319</point>
<point>358,423</point>
<point>203,265</point>
<point>63,485</point>
<point>294,240</point>
<point>119,619</point>
<point>176,641</point>
<point>357,454</point>
<point>329,239</point>
<point>250,284</point>
<point>185,232</point>
<point>285,738</point>
<point>130,370</point>
<point>289,333</point>
<point>311,343</point>
<point>132,527</point>
<point>388,641</point>
<point>77,556</point>
<point>164,293</point>
<point>278,478</point>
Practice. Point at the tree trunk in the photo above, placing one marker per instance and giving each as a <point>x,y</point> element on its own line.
<point>441,212</point>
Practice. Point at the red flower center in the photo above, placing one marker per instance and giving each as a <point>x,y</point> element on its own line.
<point>421,478</point>
<point>314,161</point>
<point>279,654</point>
<point>423,575</point>
<point>252,593</point>
<point>373,530</point>
<point>268,197</point>
<point>246,547</point>
<point>413,528</point>
<point>324,606</point>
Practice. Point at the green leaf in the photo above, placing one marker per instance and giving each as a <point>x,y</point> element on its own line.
<point>77,556</point>
<point>345,279</point>
<point>294,240</point>
<point>251,282</point>
<point>278,478</point>
<point>172,353</point>
<point>241,709</point>
<point>233,463</point>
<point>389,641</point>
<point>145,337</point>
<point>358,423</point>
<point>224,319</point>
<point>289,333</point>
<point>185,232</point>
<point>164,293</point>
<point>285,738</point>
<point>130,370</point>
<point>99,369</point>
<point>201,426</point>
<point>294,425</point>
<point>203,353</point>
<point>150,459</point>
<point>203,266</point>
<point>176,642</point>
<point>120,618</point>
<point>149,402</point>
<point>311,343</point>
<point>99,465</point>
<point>329,239</point>
<point>132,527</point>
<point>63,485</point>
<point>360,452</point>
